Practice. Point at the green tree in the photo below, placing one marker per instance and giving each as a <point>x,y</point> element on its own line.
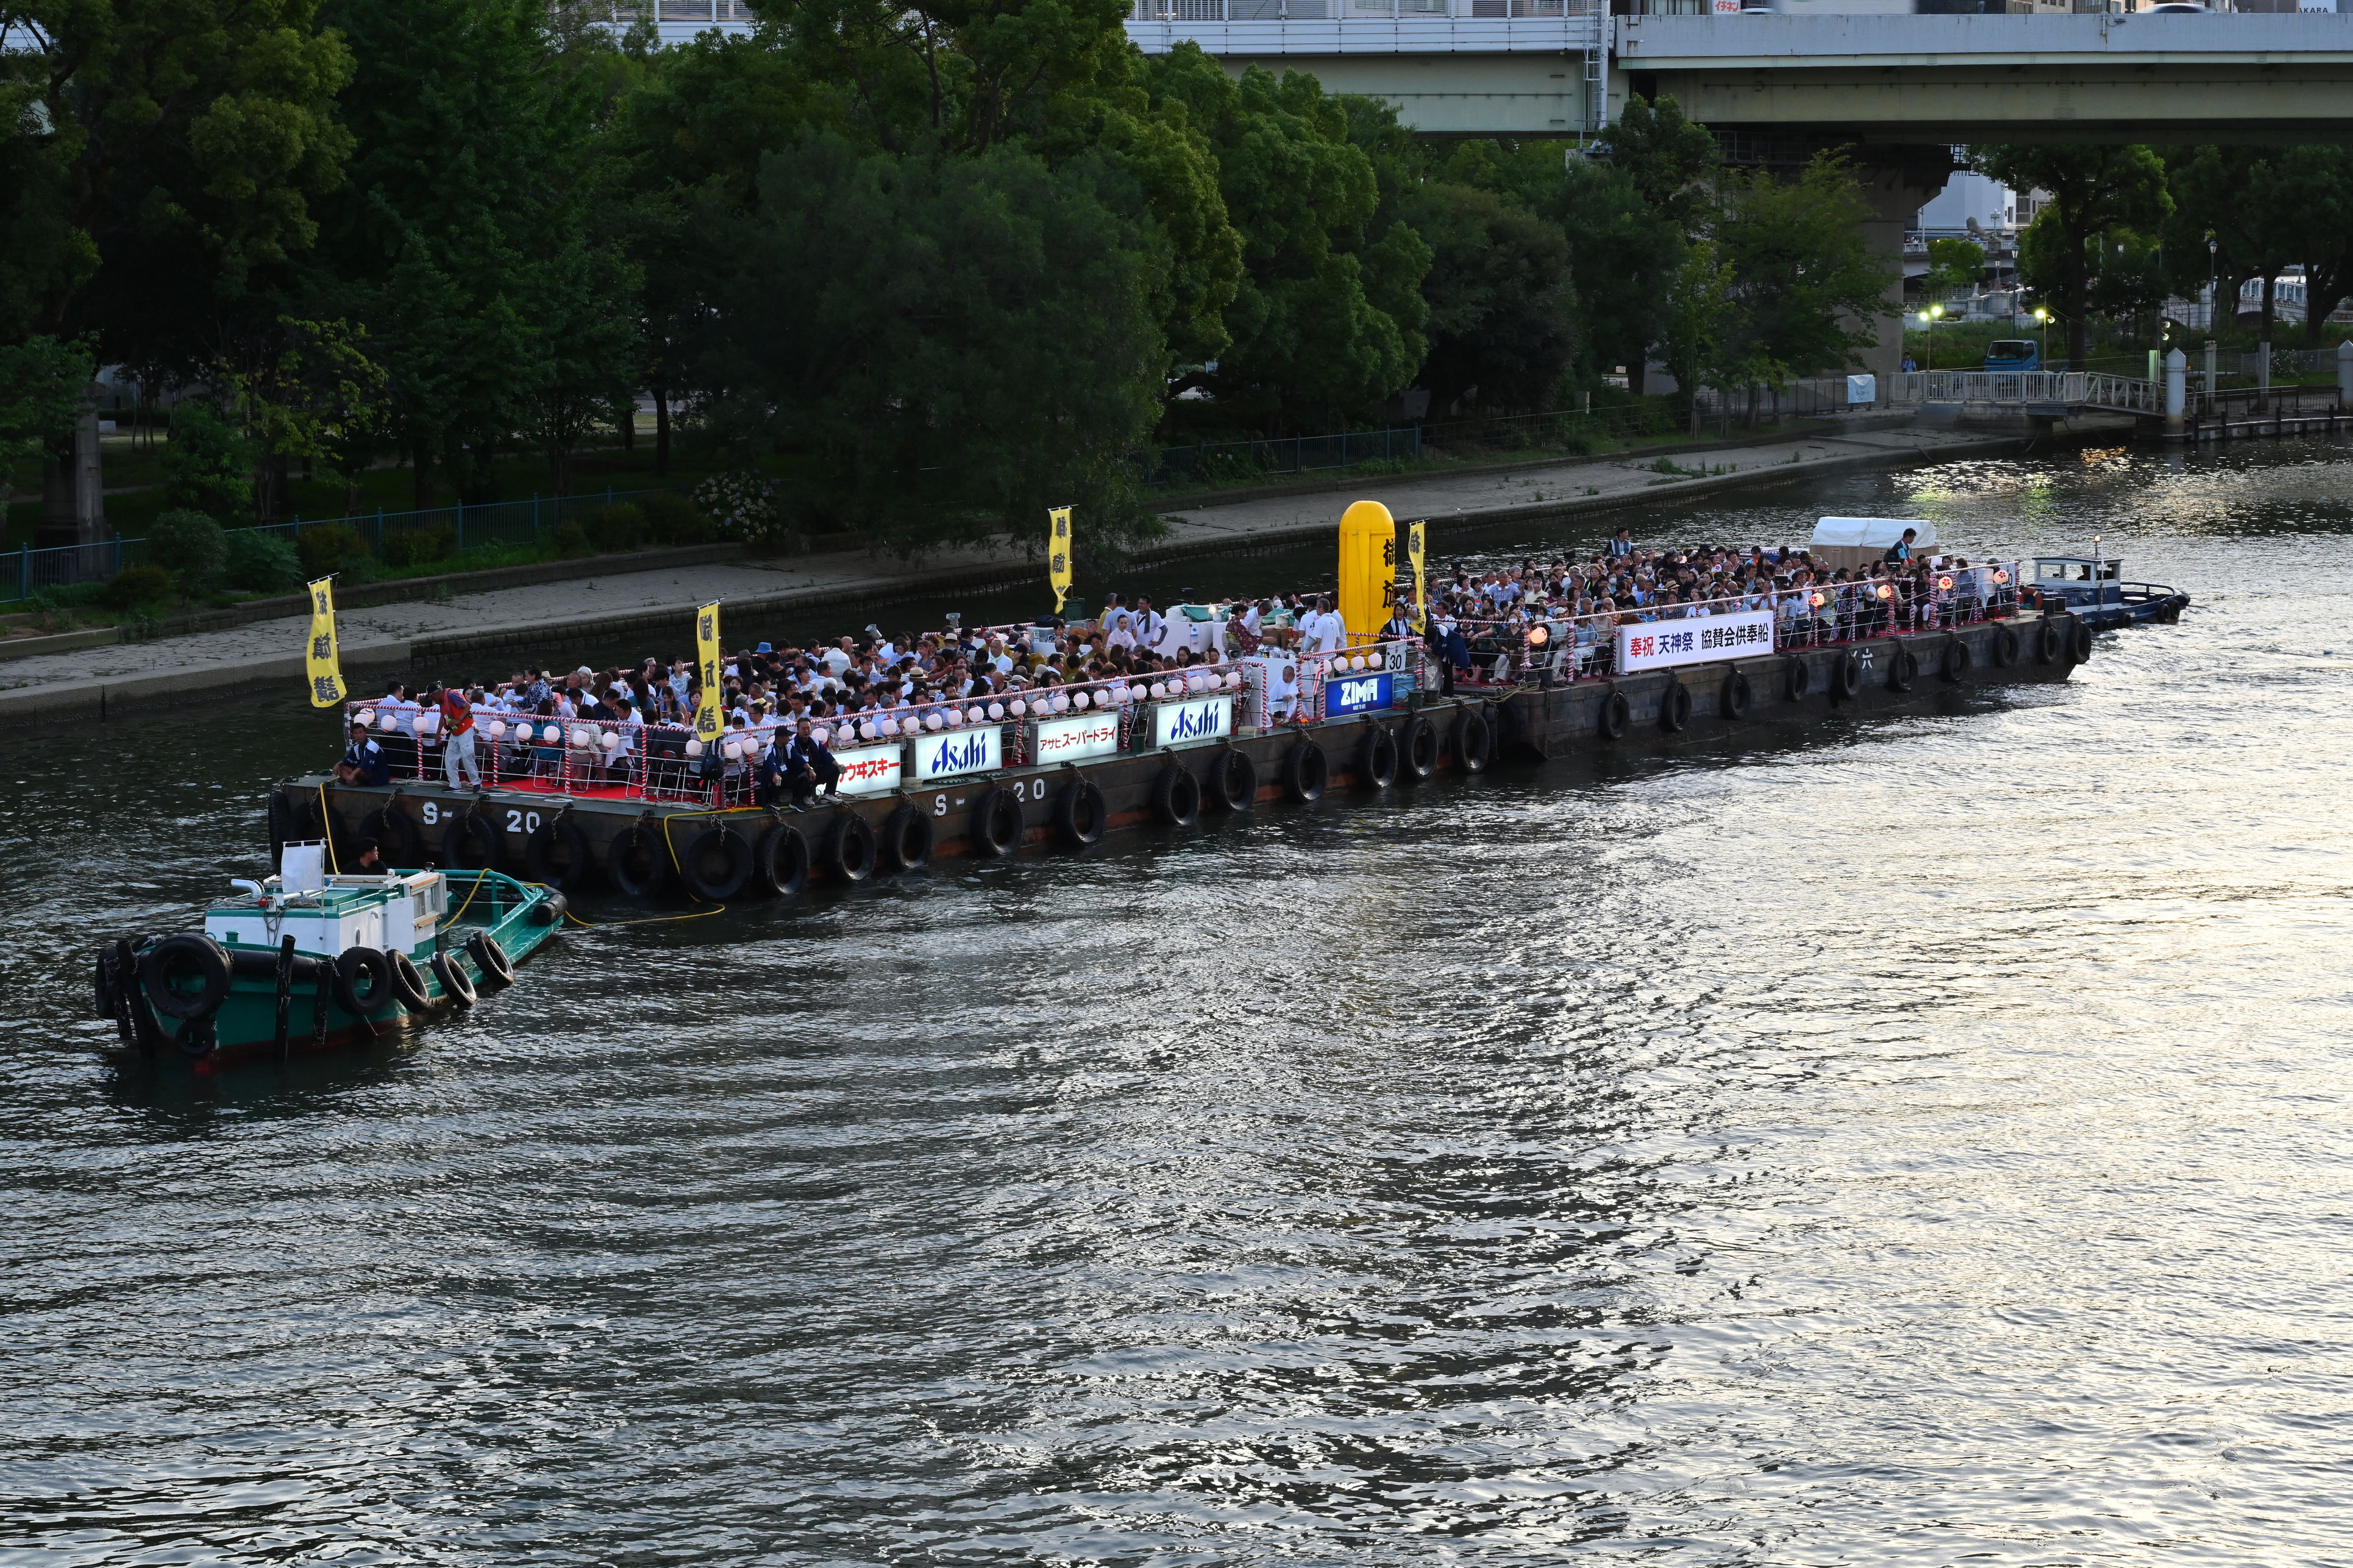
<point>207,467</point>
<point>1501,309</point>
<point>44,388</point>
<point>2092,190</point>
<point>1954,264</point>
<point>1807,286</point>
<point>1696,323</point>
<point>190,546</point>
<point>1619,247</point>
<point>1671,161</point>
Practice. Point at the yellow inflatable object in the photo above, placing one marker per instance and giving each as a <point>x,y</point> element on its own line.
<point>1367,569</point>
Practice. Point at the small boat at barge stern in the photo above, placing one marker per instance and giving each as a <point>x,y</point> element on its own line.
<point>309,959</point>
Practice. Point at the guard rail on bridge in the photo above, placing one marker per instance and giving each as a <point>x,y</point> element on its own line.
<point>1370,11</point>
<point>2054,390</point>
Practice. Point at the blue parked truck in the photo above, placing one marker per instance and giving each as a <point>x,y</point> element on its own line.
<point>2014,354</point>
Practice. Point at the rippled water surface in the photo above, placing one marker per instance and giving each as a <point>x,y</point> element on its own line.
<point>1923,1143</point>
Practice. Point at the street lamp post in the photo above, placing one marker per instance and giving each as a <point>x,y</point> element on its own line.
<point>2214,279</point>
<point>1928,318</point>
<point>2042,318</point>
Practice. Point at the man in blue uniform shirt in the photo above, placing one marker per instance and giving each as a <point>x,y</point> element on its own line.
<point>801,765</point>
<point>364,761</point>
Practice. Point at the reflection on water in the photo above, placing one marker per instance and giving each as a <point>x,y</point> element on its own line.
<point>1918,1144</point>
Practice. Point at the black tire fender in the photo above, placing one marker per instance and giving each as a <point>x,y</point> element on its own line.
<point>363,982</point>
<point>1417,749</point>
<point>1306,770</point>
<point>557,854</point>
<point>1797,678</point>
<point>1675,707</point>
<point>1080,814</point>
<point>1616,714</point>
<point>1235,780</point>
<point>905,841</point>
<point>637,862</point>
<point>2080,639</point>
<point>1903,665</point>
<point>1847,679</point>
<point>455,986</point>
<point>2005,646</point>
<point>2046,641</point>
<point>1376,758</point>
<point>1733,701</point>
<point>996,824</point>
<point>1954,666</point>
<point>408,982</point>
<point>1176,796</point>
<point>717,863</point>
<point>168,968</point>
<point>780,861</point>
<point>1474,741</point>
<point>490,961</point>
<point>851,854</point>
<point>468,832</point>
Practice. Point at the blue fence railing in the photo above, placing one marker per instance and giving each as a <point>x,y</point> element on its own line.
<point>491,522</point>
<point>1241,461</point>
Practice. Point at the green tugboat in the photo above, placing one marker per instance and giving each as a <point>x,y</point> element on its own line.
<point>310,959</point>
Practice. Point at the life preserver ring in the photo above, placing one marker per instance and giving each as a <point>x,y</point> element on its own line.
<point>1474,741</point>
<point>1417,749</point>
<point>490,961</point>
<point>1079,815</point>
<point>637,862</point>
<point>1847,679</point>
<point>717,863</point>
<point>850,853</point>
<point>1616,714</point>
<point>1902,666</point>
<point>1176,796</point>
<point>905,841</point>
<point>363,984</point>
<point>2080,645</point>
<point>1234,780</point>
<point>1797,678</point>
<point>455,986</point>
<point>408,982</point>
<point>557,854</point>
<point>185,977</point>
<point>780,860</point>
<point>1955,665</point>
<point>467,830</point>
<point>1675,707</point>
<point>1733,703</point>
<point>2046,641</point>
<point>2005,646</point>
<point>399,844</point>
<point>1376,758</point>
<point>996,824</point>
<point>1306,770</point>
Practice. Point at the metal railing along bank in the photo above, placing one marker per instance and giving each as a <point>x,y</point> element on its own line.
<point>488,523</point>
<point>1602,645</point>
<point>883,751</point>
<point>1351,10</point>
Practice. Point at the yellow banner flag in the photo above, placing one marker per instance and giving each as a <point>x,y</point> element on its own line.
<point>1413,554</point>
<point>1058,554</point>
<point>321,661</point>
<point>707,720</point>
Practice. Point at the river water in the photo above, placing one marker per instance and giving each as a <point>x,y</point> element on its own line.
<point>1925,1142</point>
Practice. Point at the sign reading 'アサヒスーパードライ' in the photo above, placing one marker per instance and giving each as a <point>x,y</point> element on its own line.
<point>1709,638</point>
<point>1078,738</point>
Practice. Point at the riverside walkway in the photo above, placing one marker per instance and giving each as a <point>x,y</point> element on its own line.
<point>541,620</point>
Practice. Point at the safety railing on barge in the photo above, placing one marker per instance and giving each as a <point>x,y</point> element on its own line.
<point>883,751</point>
<point>1605,644</point>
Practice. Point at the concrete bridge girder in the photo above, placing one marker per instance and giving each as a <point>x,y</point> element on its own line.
<point>1454,95</point>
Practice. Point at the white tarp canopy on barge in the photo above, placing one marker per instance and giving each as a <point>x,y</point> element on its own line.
<point>1860,541</point>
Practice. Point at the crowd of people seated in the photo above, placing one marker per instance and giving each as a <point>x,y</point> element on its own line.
<point>787,707</point>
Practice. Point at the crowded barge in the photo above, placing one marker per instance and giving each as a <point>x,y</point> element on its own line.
<point>874,754</point>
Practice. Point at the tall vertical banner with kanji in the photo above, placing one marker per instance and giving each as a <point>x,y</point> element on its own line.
<point>1058,554</point>
<point>321,661</point>
<point>1413,554</point>
<point>707,720</point>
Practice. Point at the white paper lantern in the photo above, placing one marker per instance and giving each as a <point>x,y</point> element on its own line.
<point>997,710</point>
<point>730,751</point>
<point>1078,700</point>
<point>693,746</point>
<point>367,715</point>
<point>1135,694</point>
<point>973,715</point>
<point>1159,688</point>
<point>498,728</point>
<point>551,734</point>
<point>388,723</point>
<point>932,720</point>
<point>427,723</point>
<point>865,731</point>
<point>1019,707</point>
<point>890,726</point>
<point>1062,703</point>
<point>952,717</point>
<point>579,737</point>
<point>820,734</point>
<point>609,738</point>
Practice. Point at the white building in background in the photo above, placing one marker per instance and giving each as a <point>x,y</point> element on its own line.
<point>1970,204</point>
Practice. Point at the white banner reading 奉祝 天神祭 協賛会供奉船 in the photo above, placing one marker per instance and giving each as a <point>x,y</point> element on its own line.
<point>1659,644</point>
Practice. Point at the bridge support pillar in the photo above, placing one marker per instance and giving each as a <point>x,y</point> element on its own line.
<point>2177,390</point>
<point>1896,189</point>
<point>2345,374</point>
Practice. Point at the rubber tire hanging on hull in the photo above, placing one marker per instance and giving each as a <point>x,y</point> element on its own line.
<point>996,824</point>
<point>716,864</point>
<point>497,969</point>
<point>1306,770</point>
<point>557,854</point>
<point>2047,642</point>
<point>408,982</point>
<point>1233,778</point>
<point>1176,796</point>
<point>2005,646</point>
<point>185,956</point>
<point>1616,714</point>
<point>1675,707</point>
<point>1417,750</point>
<point>1954,666</point>
<point>1847,679</point>
<point>1080,814</point>
<point>468,828</point>
<point>905,841</point>
<point>1732,702</point>
<point>780,861</point>
<point>637,862</point>
<point>1797,678</point>
<point>851,852</point>
<point>1902,669</point>
<point>455,986</point>
<point>364,1000</point>
<point>1474,741</point>
<point>2080,643</point>
<point>1376,758</point>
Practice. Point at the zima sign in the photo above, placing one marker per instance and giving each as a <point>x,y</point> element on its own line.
<point>950,751</point>
<point>1358,694</point>
<point>1206,719</point>
<point>1703,641</point>
<point>1074,740</point>
<point>870,770</point>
